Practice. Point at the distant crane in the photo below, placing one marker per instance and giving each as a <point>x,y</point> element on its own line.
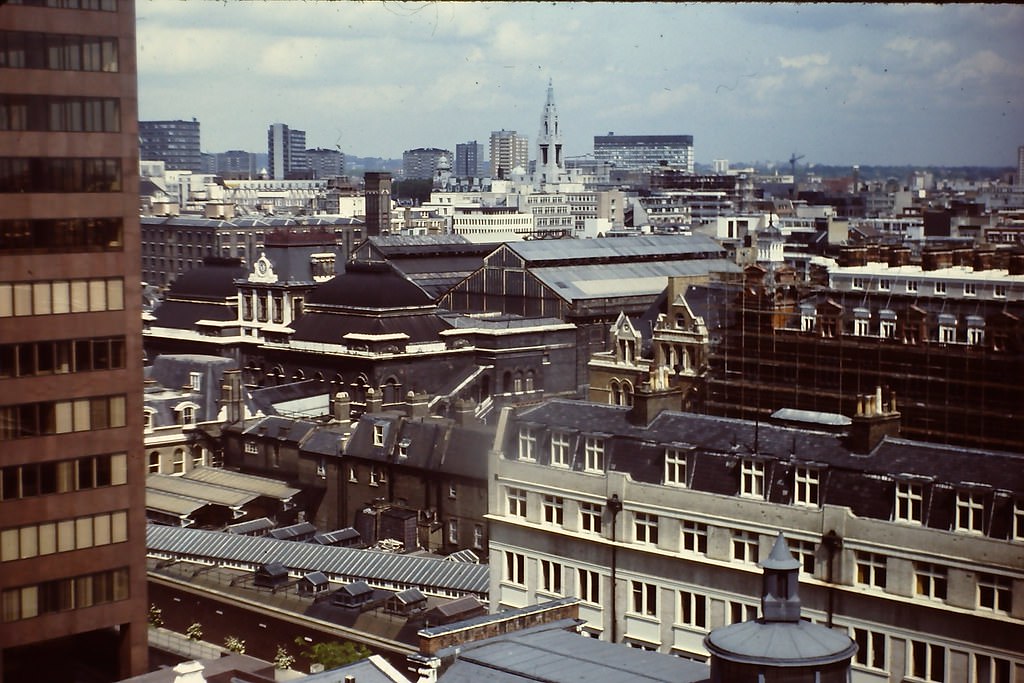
<point>792,169</point>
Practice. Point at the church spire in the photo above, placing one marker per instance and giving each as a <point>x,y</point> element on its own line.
<point>550,165</point>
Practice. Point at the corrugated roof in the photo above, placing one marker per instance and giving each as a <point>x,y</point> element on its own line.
<point>261,486</point>
<point>642,278</point>
<point>199,490</point>
<point>639,246</point>
<point>430,575</point>
<point>171,504</point>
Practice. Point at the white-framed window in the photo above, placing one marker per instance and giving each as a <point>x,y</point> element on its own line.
<point>527,443</point>
<point>926,661</point>
<point>590,517</point>
<point>929,581</point>
<point>693,610</point>
<point>884,284</point>
<point>516,502</point>
<point>374,476</point>
<point>378,435</point>
<point>804,552</point>
<point>999,291</point>
<point>992,669</point>
<point>199,457</point>
<point>752,478</point>
<point>909,502</point>
<point>453,531</point>
<point>871,569</point>
<point>806,486</point>
<point>560,449</point>
<point>947,334</point>
<point>970,289</point>
<point>995,593</point>
<point>588,586</point>
<point>554,510</point>
<point>186,413</point>
<point>515,568</point>
<point>593,452</point>
<point>645,598</point>
<point>478,536</point>
<point>745,547</point>
<point>646,528</point>
<point>154,462</point>
<point>975,335</point>
<point>858,283</point>
<point>970,511</point>
<point>695,537</point>
<point>887,329</point>
<point>675,467</point>
<point>147,419</point>
<point>807,322</point>
<point>178,462</point>
<point>252,448</point>
<point>551,576</point>
<point>741,611</point>
<point>861,327</point>
<point>939,287</point>
<point>912,285</point>
<point>871,648</point>
<point>195,381</point>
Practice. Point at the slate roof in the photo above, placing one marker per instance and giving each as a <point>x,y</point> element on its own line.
<point>646,278</point>
<point>368,286</point>
<point>863,482</point>
<point>266,398</point>
<point>552,653</point>
<point>325,440</point>
<point>430,575</point>
<point>332,327</point>
<point>281,428</point>
<point>214,281</point>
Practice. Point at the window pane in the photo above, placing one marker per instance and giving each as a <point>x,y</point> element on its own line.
<point>28,540</point>
<point>60,291</point>
<point>64,423</point>
<point>65,535</point>
<point>101,529</point>
<point>81,419</point>
<point>97,295</point>
<point>41,298</point>
<point>118,469</point>
<point>118,527</point>
<point>83,532</point>
<point>79,296</point>
<point>117,415</point>
<point>47,538</point>
<point>115,295</point>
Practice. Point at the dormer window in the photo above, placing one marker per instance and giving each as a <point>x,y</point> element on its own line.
<point>195,381</point>
<point>887,324</point>
<point>148,416</point>
<point>593,452</point>
<point>527,443</point>
<point>861,321</point>
<point>806,486</point>
<point>939,288</point>
<point>909,502</point>
<point>970,511</point>
<point>675,467</point>
<point>186,413</point>
<point>752,478</point>
<point>947,328</point>
<point>560,449</point>
<point>378,435</point>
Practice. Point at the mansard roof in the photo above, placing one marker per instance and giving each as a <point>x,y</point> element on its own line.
<point>374,286</point>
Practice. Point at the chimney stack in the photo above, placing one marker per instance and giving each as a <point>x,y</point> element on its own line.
<point>873,421</point>
<point>373,401</point>
<point>341,408</point>
<point>416,405</point>
<point>648,401</point>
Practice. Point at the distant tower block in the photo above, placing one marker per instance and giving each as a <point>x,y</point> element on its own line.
<point>779,646</point>
<point>550,164</point>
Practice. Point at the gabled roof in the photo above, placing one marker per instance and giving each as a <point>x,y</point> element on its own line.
<point>250,483</point>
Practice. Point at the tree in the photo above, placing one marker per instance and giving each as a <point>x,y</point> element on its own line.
<point>156,616</point>
<point>334,654</point>
<point>234,644</point>
<point>194,631</point>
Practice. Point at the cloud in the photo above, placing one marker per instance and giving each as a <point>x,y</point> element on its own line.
<point>980,68</point>
<point>926,51</point>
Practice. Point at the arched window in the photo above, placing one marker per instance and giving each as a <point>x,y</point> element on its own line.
<point>299,375</point>
<point>615,393</point>
<point>529,380</point>
<point>627,394</point>
<point>517,383</point>
<point>506,384</point>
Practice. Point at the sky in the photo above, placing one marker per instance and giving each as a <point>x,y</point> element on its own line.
<point>869,84</point>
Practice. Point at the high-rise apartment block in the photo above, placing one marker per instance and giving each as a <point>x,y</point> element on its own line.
<point>644,152</point>
<point>1020,166</point>
<point>72,484</point>
<point>176,143</point>
<point>508,150</point>
<point>325,163</point>
<point>469,160</point>
<point>421,163</point>
<point>286,149</point>
<point>236,164</point>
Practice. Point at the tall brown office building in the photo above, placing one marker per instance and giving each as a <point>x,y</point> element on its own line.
<point>72,487</point>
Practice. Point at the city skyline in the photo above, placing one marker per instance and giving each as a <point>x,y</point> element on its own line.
<point>867,84</point>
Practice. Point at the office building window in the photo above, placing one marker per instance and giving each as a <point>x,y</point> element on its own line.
<point>806,486</point>
<point>61,595</point>
<point>61,235</point>
<point>909,502</point>
<point>32,359</point>
<point>675,467</point>
<point>61,296</point>
<point>752,478</point>
<point>926,661</point>
<point>590,517</point>
<point>970,511</point>
<point>57,52</point>
<point>745,547</point>
<point>61,417</point>
<point>871,569</point>
<point>929,581</point>
<point>588,586</point>
<point>515,568</point>
<point>695,537</point>
<point>995,593</point>
<point>645,598</point>
<point>551,576</point>
<point>1018,521</point>
<point>560,449</point>
<point>693,610</point>
<point>516,502</point>
<point>992,669</point>
<point>59,175</point>
<point>64,535</point>
<point>593,450</point>
<point>527,444</point>
<point>554,512</point>
<point>870,649</point>
<point>646,528</point>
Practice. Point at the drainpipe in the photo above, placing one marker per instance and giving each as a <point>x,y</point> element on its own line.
<point>615,505</point>
<point>833,543</point>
